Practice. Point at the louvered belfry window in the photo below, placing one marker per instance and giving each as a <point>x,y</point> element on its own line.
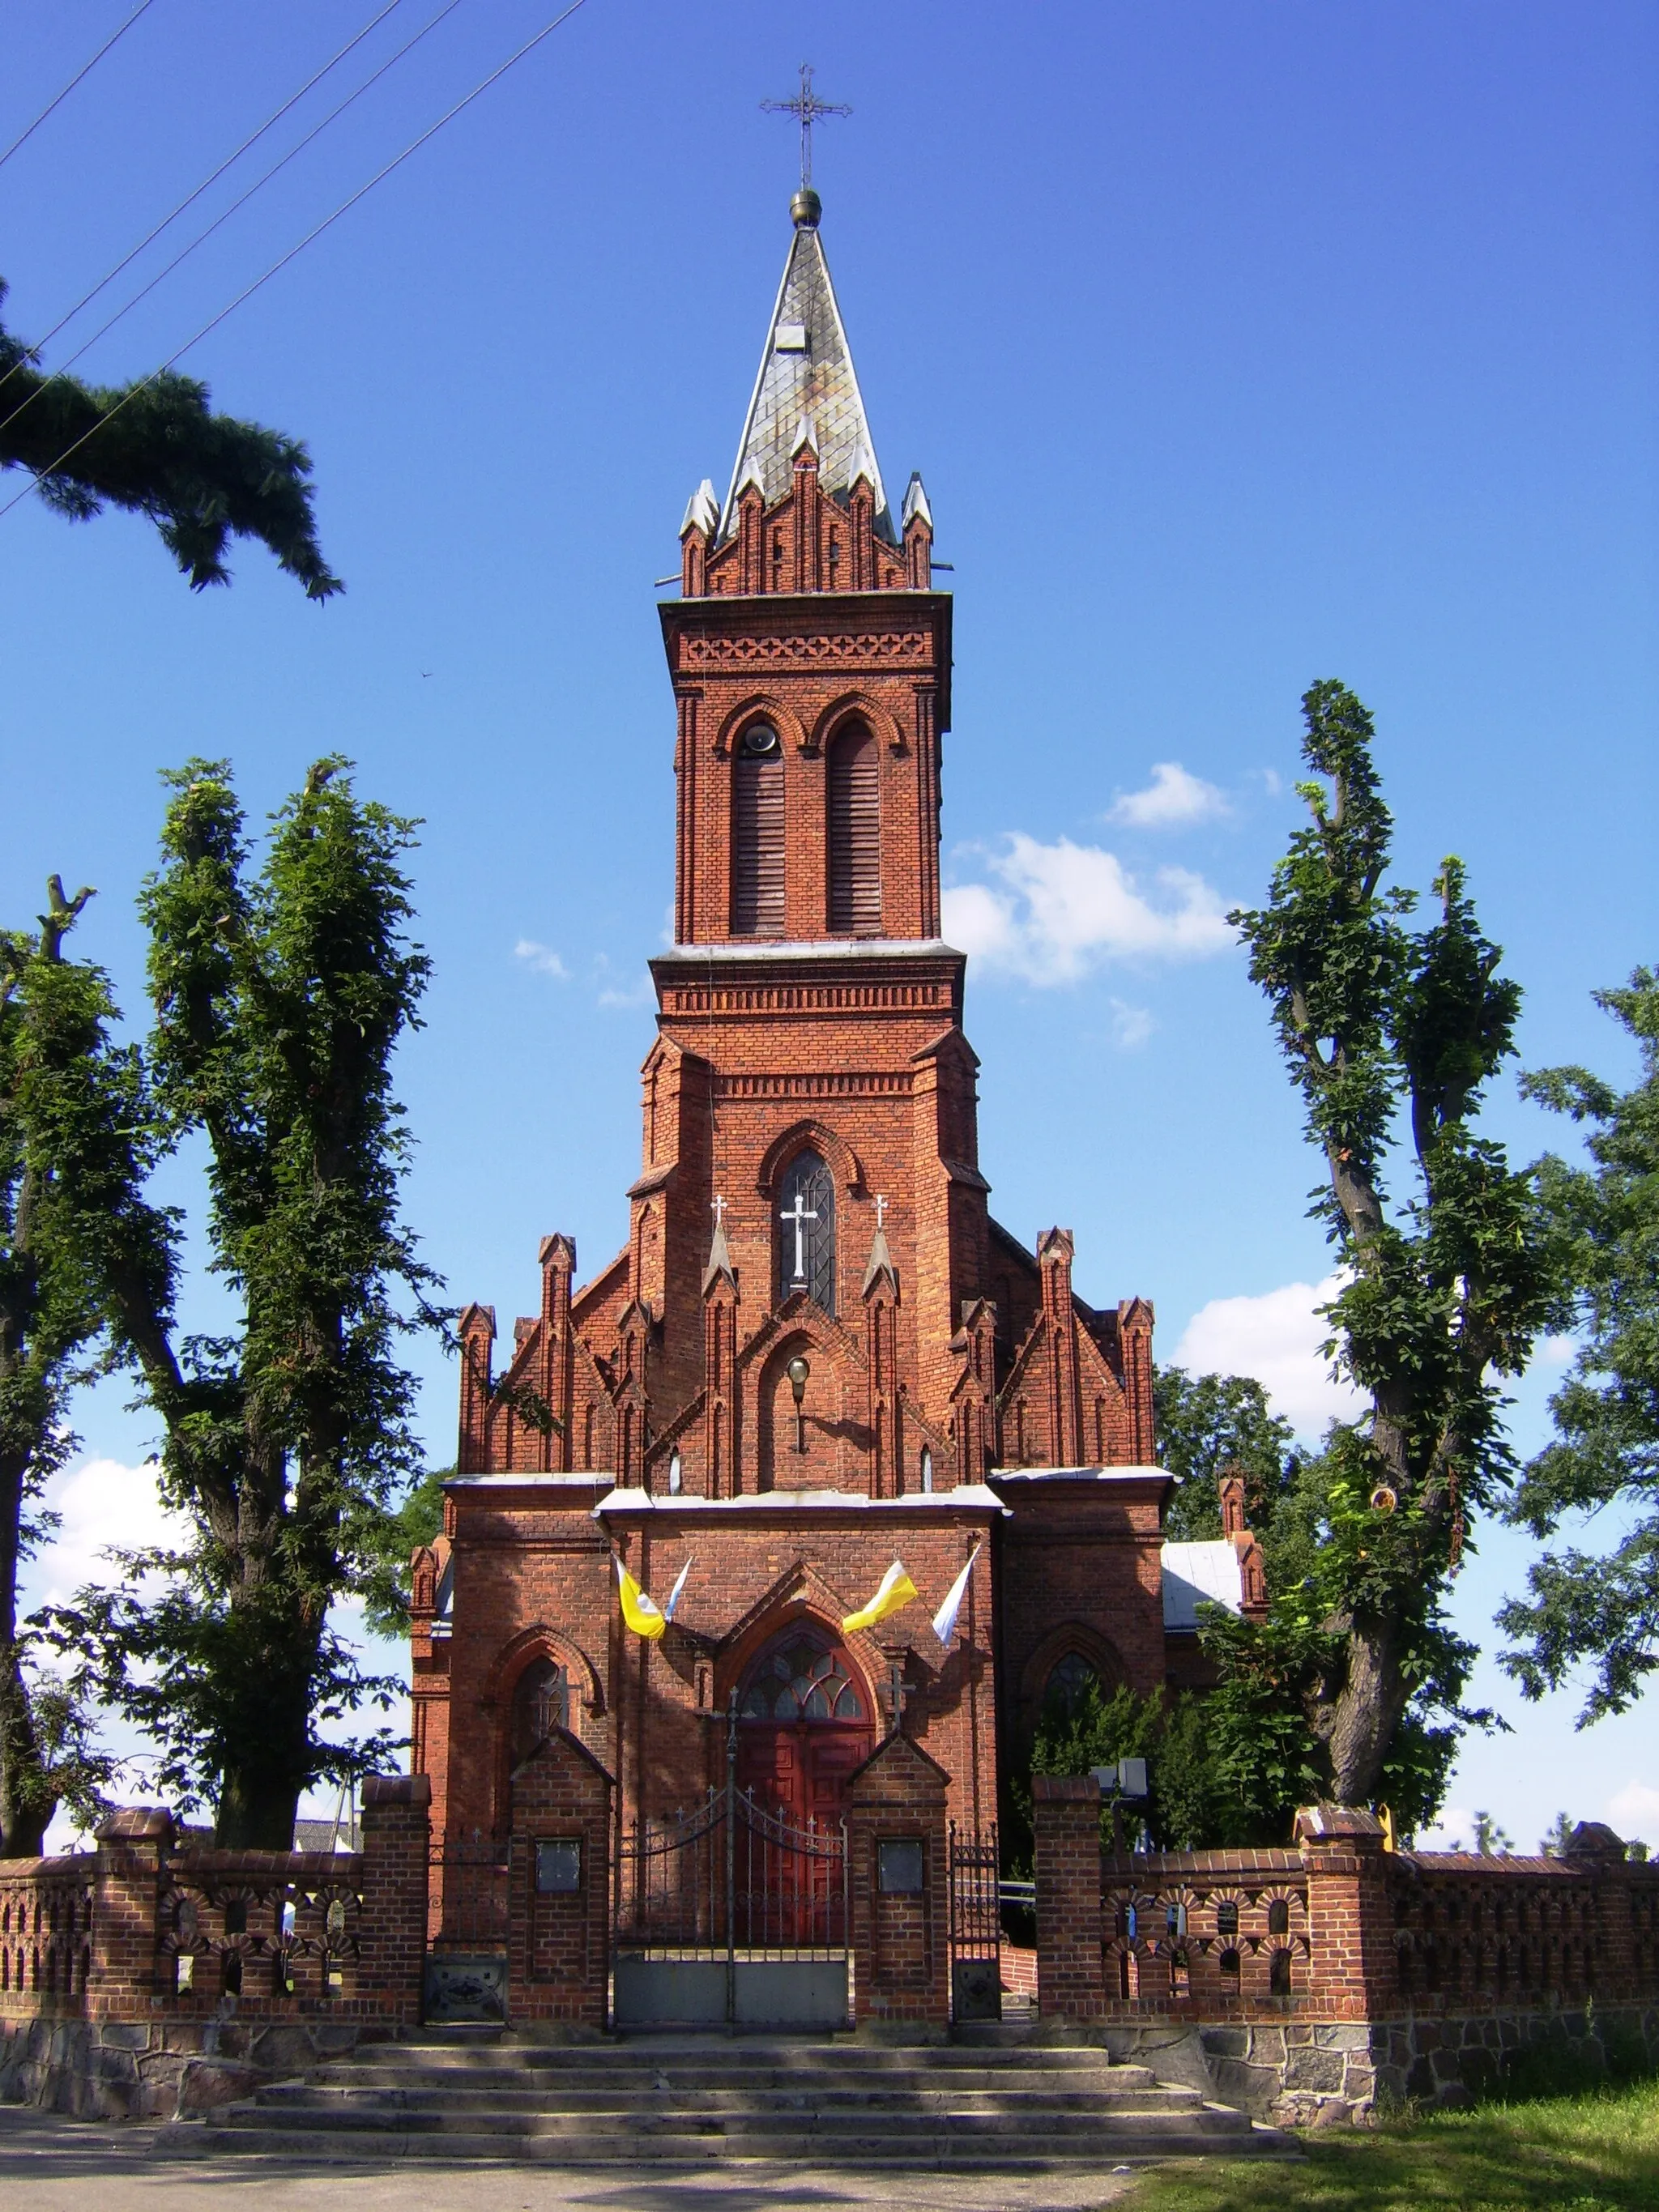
<point>854,807</point>
<point>757,900</point>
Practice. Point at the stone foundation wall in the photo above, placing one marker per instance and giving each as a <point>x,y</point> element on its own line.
<point>1329,2073</point>
<point>112,2069</point>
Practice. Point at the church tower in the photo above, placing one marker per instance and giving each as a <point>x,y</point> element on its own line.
<point>812,1083</point>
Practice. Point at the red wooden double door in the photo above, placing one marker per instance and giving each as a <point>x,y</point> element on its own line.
<point>804,1725</point>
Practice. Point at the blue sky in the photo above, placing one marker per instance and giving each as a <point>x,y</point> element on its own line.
<point>1237,347</point>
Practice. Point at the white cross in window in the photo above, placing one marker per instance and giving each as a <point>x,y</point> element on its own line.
<point>799,1215</point>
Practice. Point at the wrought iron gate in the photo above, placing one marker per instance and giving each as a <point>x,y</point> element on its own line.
<point>976,1928</point>
<point>465,1975</point>
<point>732,1916</point>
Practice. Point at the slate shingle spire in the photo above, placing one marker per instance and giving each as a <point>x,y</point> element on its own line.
<point>806,378</point>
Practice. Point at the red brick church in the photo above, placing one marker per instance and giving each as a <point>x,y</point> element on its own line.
<point>818,1352</point>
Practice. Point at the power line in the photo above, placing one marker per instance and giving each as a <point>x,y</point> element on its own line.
<point>258,184</point>
<point>380,176</point>
<point>230,161</point>
<point>75,79</point>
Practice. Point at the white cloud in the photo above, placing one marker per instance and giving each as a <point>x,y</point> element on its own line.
<point>1453,1832</point>
<point>540,959</point>
<point>102,1506</point>
<point>1059,909</point>
<point>1634,1811</point>
<point>1275,1338</point>
<point>1130,1025</point>
<point>1172,798</point>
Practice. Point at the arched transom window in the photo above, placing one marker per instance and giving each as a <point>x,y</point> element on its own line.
<point>802,1677</point>
<point>758,906</point>
<point>806,1231</point>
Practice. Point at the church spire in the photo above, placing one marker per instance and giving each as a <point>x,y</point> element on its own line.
<point>806,382</point>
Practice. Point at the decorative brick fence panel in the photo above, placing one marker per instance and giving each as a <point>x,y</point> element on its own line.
<point>45,1936</point>
<point>140,1978</point>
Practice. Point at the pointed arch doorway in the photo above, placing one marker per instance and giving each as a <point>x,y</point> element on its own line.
<point>804,1723</point>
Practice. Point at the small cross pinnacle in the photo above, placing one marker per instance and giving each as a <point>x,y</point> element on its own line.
<point>717,1207</point>
<point>811,109</point>
<point>882,1205</point>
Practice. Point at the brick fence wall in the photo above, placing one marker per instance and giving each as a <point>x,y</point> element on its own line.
<point>1315,1979</point>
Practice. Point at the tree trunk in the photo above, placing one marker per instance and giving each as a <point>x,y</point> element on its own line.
<point>267,1760</point>
<point>1358,1725</point>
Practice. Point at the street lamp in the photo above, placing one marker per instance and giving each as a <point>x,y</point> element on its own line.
<point>798,1370</point>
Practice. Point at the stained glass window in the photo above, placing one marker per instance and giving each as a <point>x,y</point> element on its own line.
<point>1069,1682</point>
<point>802,1680</point>
<point>806,1231</point>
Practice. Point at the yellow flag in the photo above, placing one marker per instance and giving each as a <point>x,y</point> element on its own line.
<point>897,1589</point>
<point>643,1617</point>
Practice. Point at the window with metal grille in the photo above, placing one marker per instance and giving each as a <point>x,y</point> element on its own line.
<point>854,817</point>
<point>806,1231</point>
<point>757,881</point>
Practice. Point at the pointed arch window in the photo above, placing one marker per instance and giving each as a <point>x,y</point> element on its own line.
<point>757,828</point>
<point>806,1231</point>
<point>541,1703</point>
<point>854,808</point>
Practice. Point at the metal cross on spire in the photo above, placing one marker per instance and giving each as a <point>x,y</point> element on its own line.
<point>810,109</point>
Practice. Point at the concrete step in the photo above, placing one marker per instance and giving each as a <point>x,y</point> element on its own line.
<point>591,2083</point>
<point>827,2126</point>
<point>940,2147</point>
<point>720,2055</point>
<point>321,2107</point>
<point>297,2096</point>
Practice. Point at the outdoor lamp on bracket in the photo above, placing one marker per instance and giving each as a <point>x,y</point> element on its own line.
<point>798,1371</point>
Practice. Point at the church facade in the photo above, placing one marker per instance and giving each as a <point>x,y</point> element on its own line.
<point>818,1353</point>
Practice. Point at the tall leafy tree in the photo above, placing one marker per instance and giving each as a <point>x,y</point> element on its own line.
<point>76,1139</point>
<point>280,995</point>
<point>1584,1607</point>
<point>1390,1034</point>
<point>159,450</point>
<point>1208,1424</point>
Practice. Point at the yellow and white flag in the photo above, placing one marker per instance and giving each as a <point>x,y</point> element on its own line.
<point>642,1615</point>
<point>945,1620</point>
<point>897,1589</point>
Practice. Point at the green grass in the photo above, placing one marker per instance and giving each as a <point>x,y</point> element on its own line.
<point>1592,2153</point>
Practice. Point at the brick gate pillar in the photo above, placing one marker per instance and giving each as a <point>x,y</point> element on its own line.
<point>391,1933</point>
<point>127,1875</point>
<point>558,1915</point>
<point>898,1881</point>
<point>1354,1970</point>
<point>1071,1958</point>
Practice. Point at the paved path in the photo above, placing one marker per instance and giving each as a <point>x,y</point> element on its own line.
<point>52,2165</point>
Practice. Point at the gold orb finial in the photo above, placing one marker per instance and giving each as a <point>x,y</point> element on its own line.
<point>805,209</point>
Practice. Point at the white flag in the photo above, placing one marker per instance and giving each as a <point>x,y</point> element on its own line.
<point>674,1595</point>
<point>945,1620</point>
